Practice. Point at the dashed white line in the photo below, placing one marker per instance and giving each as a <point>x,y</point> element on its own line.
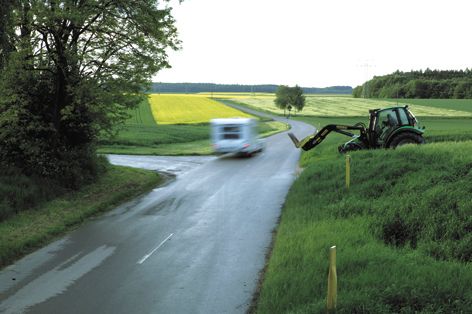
<point>145,257</point>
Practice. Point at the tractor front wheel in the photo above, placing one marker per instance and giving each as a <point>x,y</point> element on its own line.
<point>406,138</point>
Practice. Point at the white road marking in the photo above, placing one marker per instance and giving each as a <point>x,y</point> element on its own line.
<point>145,257</point>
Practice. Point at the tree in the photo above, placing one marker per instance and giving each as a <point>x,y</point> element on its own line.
<point>5,30</point>
<point>297,99</point>
<point>281,97</point>
<point>74,68</point>
<point>289,97</point>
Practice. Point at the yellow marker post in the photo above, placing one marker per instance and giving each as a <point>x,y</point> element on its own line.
<point>348,171</point>
<point>332,282</point>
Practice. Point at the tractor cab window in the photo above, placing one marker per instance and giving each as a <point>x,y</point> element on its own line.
<point>403,117</point>
<point>386,121</point>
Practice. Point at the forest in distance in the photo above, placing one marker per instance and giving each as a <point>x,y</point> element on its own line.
<point>438,84</point>
<point>190,88</point>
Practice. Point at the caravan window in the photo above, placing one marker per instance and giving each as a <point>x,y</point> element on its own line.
<point>230,136</point>
<point>231,132</point>
<point>231,129</point>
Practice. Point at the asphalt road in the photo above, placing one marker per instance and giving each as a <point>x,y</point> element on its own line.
<point>196,245</point>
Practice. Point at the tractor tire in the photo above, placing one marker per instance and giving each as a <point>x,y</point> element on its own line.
<point>406,138</point>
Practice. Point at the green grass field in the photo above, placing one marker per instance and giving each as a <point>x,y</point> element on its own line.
<point>345,106</point>
<point>142,136</point>
<point>402,231</point>
<point>454,104</point>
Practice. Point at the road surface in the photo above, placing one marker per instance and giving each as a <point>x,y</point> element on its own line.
<point>196,245</point>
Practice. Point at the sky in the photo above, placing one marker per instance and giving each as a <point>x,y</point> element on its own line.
<point>316,43</point>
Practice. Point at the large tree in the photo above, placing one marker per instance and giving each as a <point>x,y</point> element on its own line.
<point>71,69</point>
<point>287,98</point>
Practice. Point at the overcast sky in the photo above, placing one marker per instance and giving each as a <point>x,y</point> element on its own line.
<point>316,43</point>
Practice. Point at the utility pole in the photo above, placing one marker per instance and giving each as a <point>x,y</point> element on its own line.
<point>366,65</point>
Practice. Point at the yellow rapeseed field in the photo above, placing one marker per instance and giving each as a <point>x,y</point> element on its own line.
<point>189,108</point>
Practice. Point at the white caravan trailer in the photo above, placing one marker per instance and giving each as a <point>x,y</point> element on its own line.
<point>235,135</point>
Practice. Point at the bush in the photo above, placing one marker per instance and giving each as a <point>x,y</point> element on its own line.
<point>19,191</point>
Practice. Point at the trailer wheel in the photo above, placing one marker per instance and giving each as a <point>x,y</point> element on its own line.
<point>406,138</point>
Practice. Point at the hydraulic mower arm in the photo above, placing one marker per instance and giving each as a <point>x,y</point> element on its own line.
<point>311,141</point>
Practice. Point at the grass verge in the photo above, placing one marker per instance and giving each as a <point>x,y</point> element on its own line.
<point>31,229</point>
<point>403,232</point>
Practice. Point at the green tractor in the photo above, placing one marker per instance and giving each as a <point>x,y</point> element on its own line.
<point>388,128</point>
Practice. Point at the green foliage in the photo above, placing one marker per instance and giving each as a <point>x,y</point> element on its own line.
<point>189,88</point>
<point>281,97</point>
<point>71,70</point>
<point>19,192</point>
<point>5,30</point>
<point>418,84</point>
<point>289,97</point>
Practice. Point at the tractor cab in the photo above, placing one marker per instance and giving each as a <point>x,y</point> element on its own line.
<point>385,123</point>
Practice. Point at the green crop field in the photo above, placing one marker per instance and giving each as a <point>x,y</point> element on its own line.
<point>141,135</point>
<point>345,106</point>
<point>454,104</point>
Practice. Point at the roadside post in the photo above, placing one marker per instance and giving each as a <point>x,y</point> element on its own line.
<point>348,171</point>
<point>332,282</point>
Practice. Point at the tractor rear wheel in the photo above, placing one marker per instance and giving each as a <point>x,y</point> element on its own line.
<point>406,138</point>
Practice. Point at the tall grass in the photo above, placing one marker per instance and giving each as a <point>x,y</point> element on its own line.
<point>403,232</point>
<point>19,192</point>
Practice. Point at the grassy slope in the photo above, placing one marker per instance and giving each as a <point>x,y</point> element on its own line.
<point>142,136</point>
<point>30,229</point>
<point>421,192</point>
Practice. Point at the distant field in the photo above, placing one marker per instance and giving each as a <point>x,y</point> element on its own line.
<point>345,106</point>
<point>235,95</point>
<point>454,104</point>
<point>142,136</point>
<point>189,109</point>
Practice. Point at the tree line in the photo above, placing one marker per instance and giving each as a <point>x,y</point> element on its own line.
<point>418,84</point>
<point>189,88</point>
